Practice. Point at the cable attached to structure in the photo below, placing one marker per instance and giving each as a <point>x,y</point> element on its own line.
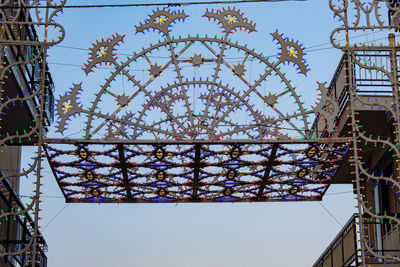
<point>330,214</point>
<point>176,4</point>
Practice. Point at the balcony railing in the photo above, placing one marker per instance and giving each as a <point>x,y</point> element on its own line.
<point>16,231</point>
<point>29,75</point>
<point>370,84</point>
<point>342,251</point>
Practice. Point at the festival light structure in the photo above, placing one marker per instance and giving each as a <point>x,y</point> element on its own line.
<point>27,31</point>
<point>371,84</point>
<point>219,135</point>
<point>174,138</point>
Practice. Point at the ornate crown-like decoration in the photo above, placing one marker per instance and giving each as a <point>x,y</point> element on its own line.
<point>103,52</point>
<point>230,20</point>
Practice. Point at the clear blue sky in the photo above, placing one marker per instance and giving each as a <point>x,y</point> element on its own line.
<point>169,235</point>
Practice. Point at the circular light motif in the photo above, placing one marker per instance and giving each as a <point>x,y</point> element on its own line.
<point>155,70</point>
<point>271,99</point>
<point>228,191</point>
<point>83,153</point>
<point>235,153</point>
<point>197,60</point>
<point>123,100</point>
<point>313,151</point>
<point>96,193</point>
<point>160,176</point>
<point>239,70</point>
<point>231,175</point>
<point>162,192</point>
<point>89,176</point>
<point>293,190</point>
<point>302,173</point>
<point>159,153</point>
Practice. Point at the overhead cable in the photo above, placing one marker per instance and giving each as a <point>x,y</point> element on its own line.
<point>175,4</point>
<point>330,214</point>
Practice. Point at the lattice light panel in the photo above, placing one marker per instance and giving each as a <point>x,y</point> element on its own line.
<point>198,172</point>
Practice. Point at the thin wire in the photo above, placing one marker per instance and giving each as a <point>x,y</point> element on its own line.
<point>123,83</point>
<point>72,134</point>
<point>305,50</point>
<point>43,196</point>
<point>175,4</point>
<point>330,214</point>
<point>339,193</point>
<point>111,68</point>
<point>54,217</point>
<point>125,54</point>
<point>329,43</point>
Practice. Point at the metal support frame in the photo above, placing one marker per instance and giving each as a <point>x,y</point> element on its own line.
<point>18,229</point>
<point>164,160</point>
<point>24,56</point>
<point>362,59</point>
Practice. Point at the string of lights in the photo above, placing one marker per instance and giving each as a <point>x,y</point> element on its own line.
<point>62,197</point>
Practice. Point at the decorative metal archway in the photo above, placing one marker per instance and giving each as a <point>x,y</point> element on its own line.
<point>372,83</point>
<point>171,138</point>
<point>27,30</point>
<point>222,149</point>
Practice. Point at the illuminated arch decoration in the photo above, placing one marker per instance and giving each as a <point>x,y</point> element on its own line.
<point>174,138</point>
<point>27,30</point>
<point>370,63</point>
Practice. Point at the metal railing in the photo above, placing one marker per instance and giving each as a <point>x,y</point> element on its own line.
<point>16,231</point>
<point>369,82</point>
<point>31,71</point>
<point>342,251</point>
